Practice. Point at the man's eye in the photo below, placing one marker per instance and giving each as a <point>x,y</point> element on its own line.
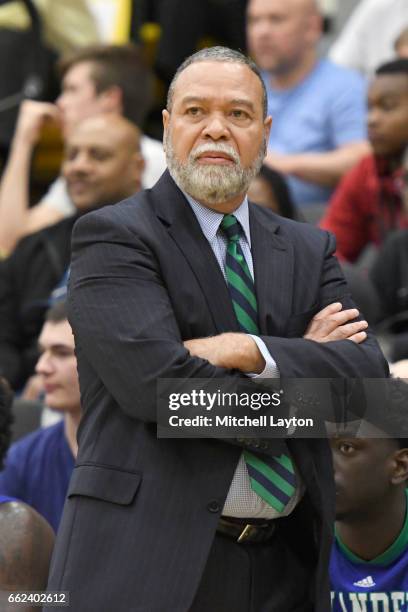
<point>388,103</point>
<point>237,113</point>
<point>346,448</point>
<point>194,111</point>
<point>70,155</point>
<point>63,353</point>
<point>389,106</point>
<point>100,155</point>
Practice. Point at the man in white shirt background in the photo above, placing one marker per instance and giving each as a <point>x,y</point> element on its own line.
<point>100,79</point>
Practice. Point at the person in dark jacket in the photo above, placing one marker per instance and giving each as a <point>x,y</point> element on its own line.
<point>102,164</point>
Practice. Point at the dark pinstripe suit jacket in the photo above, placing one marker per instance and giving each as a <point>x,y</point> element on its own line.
<point>141,513</point>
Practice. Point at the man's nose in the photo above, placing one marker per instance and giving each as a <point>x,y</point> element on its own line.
<point>336,461</point>
<point>44,364</point>
<point>216,128</point>
<point>59,102</point>
<point>373,117</point>
<point>81,163</point>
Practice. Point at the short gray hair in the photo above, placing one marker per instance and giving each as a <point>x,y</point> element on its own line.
<point>218,54</point>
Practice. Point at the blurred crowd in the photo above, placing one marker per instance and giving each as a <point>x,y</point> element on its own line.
<point>80,128</point>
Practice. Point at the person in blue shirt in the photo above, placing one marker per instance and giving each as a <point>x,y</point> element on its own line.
<point>318,108</point>
<point>369,560</point>
<point>38,467</point>
<point>26,539</point>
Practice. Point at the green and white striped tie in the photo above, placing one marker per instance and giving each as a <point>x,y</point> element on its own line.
<point>272,478</point>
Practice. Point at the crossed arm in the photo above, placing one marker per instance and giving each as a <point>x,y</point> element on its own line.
<point>240,352</point>
<point>127,332</point>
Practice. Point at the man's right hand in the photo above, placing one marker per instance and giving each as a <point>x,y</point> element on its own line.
<point>333,323</point>
<point>32,117</point>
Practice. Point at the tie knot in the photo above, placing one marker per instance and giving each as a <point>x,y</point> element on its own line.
<point>231,227</point>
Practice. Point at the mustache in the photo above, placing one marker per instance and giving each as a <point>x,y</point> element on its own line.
<point>215,148</point>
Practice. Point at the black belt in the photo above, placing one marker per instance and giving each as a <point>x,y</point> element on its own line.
<point>246,530</point>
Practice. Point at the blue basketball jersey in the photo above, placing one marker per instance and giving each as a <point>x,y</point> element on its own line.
<point>379,585</point>
<point>4,499</point>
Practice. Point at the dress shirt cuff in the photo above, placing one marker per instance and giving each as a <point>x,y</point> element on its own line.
<point>271,369</point>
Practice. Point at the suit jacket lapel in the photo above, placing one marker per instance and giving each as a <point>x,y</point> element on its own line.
<point>273,270</point>
<point>173,209</point>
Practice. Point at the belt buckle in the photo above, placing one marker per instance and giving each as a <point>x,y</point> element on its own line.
<point>246,532</point>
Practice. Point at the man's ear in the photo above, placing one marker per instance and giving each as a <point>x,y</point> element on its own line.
<point>111,100</point>
<point>313,28</point>
<point>400,467</point>
<point>267,127</point>
<point>140,163</point>
<point>166,120</point>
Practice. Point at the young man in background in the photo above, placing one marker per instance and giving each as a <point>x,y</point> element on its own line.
<point>369,562</point>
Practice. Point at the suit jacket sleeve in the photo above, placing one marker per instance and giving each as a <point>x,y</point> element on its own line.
<point>297,357</point>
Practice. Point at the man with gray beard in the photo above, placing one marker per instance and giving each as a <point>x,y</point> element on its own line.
<point>190,281</point>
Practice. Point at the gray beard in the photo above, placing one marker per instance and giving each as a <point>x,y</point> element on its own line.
<point>212,184</point>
